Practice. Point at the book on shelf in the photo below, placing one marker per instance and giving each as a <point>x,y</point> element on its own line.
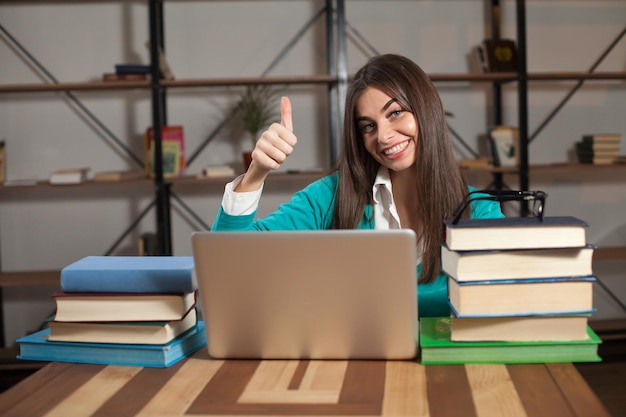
<point>516,233</point>
<point>519,328</point>
<point>38,347</point>
<point>172,149</point>
<point>143,332</point>
<point>132,69</point>
<point>597,148</point>
<point>217,171</point>
<point>480,265</point>
<point>122,306</point>
<point>69,176</point>
<point>598,159</point>
<point>500,55</point>
<point>130,274</point>
<point>522,297</point>
<point>117,175</point>
<point>610,138</point>
<point>436,347</point>
<point>112,76</point>
<point>504,144</point>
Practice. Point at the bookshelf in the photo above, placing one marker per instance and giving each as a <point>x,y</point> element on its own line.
<point>335,78</point>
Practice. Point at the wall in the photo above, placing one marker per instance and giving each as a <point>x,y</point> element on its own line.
<point>78,41</point>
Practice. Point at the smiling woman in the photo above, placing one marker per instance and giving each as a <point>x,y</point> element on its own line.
<point>397,170</point>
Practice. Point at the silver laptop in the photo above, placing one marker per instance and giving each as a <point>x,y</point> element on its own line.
<point>349,294</point>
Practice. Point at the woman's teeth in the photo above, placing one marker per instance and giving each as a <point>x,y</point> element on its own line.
<point>398,148</point>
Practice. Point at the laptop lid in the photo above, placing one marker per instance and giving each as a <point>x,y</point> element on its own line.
<point>341,294</point>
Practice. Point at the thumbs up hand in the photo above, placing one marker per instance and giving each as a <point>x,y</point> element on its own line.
<point>271,149</point>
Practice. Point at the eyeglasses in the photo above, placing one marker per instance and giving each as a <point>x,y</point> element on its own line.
<point>538,198</point>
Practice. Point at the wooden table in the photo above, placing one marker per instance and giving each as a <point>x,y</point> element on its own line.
<point>201,386</point>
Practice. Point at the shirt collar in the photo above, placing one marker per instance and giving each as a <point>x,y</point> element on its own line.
<point>382,184</point>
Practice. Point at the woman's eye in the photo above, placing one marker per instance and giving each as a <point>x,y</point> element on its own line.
<point>367,127</point>
<point>395,113</point>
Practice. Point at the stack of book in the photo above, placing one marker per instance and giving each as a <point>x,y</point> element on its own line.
<point>128,72</point>
<point>599,149</point>
<point>520,290</point>
<point>123,310</point>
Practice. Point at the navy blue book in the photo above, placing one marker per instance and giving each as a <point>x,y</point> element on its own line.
<point>132,69</point>
<point>521,297</point>
<point>37,347</point>
<point>516,233</point>
<point>130,274</point>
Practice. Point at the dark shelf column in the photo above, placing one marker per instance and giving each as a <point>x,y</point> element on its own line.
<point>159,119</point>
<point>522,92</point>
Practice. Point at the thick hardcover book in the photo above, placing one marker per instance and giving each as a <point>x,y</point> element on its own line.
<point>38,347</point>
<point>122,306</point>
<point>145,332</point>
<point>437,348</point>
<point>516,233</point>
<point>512,263</point>
<point>130,274</point>
<point>592,147</point>
<point>526,328</point>
<point>521,297</point>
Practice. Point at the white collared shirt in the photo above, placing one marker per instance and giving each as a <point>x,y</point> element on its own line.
<point>385,212</point>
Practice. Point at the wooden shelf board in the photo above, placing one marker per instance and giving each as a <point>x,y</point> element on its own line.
<point>239,81</point>
<point>30,278</point>
<point>310,79</point>
<point>46,184</point>
<point>538,168</point>
<point>74,86</point>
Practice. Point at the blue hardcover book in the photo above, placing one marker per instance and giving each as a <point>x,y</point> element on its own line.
<point>130,274</point>
<point>37,347</point>
<point>521,297</point>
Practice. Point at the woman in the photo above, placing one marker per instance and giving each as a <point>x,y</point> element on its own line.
<point>397,170</point>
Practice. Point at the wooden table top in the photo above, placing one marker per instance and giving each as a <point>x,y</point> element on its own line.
<point>202,386</point>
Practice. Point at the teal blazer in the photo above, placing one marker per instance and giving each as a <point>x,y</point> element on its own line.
<point>312,209</point>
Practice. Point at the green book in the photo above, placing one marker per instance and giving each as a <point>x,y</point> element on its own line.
<point>437,348</point>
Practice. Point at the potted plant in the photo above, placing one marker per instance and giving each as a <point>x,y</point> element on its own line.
<point>257,110</point>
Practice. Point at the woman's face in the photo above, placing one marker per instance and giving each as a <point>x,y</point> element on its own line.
<point>389,132</point>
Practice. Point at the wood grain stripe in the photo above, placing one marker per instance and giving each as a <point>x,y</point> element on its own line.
<point>441,382</point>
<point>85,400</point>
<point>539,393</point>
<point>182,388</point>
<point>40,401</point>
<point>405,390</point>
<point>577,392</point>
<point>28,386</point>
<point>364,383</point>
<point>225,388</point>
<point>493,391</point>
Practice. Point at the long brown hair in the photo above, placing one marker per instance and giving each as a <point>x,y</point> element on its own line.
<point>440,184</point>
